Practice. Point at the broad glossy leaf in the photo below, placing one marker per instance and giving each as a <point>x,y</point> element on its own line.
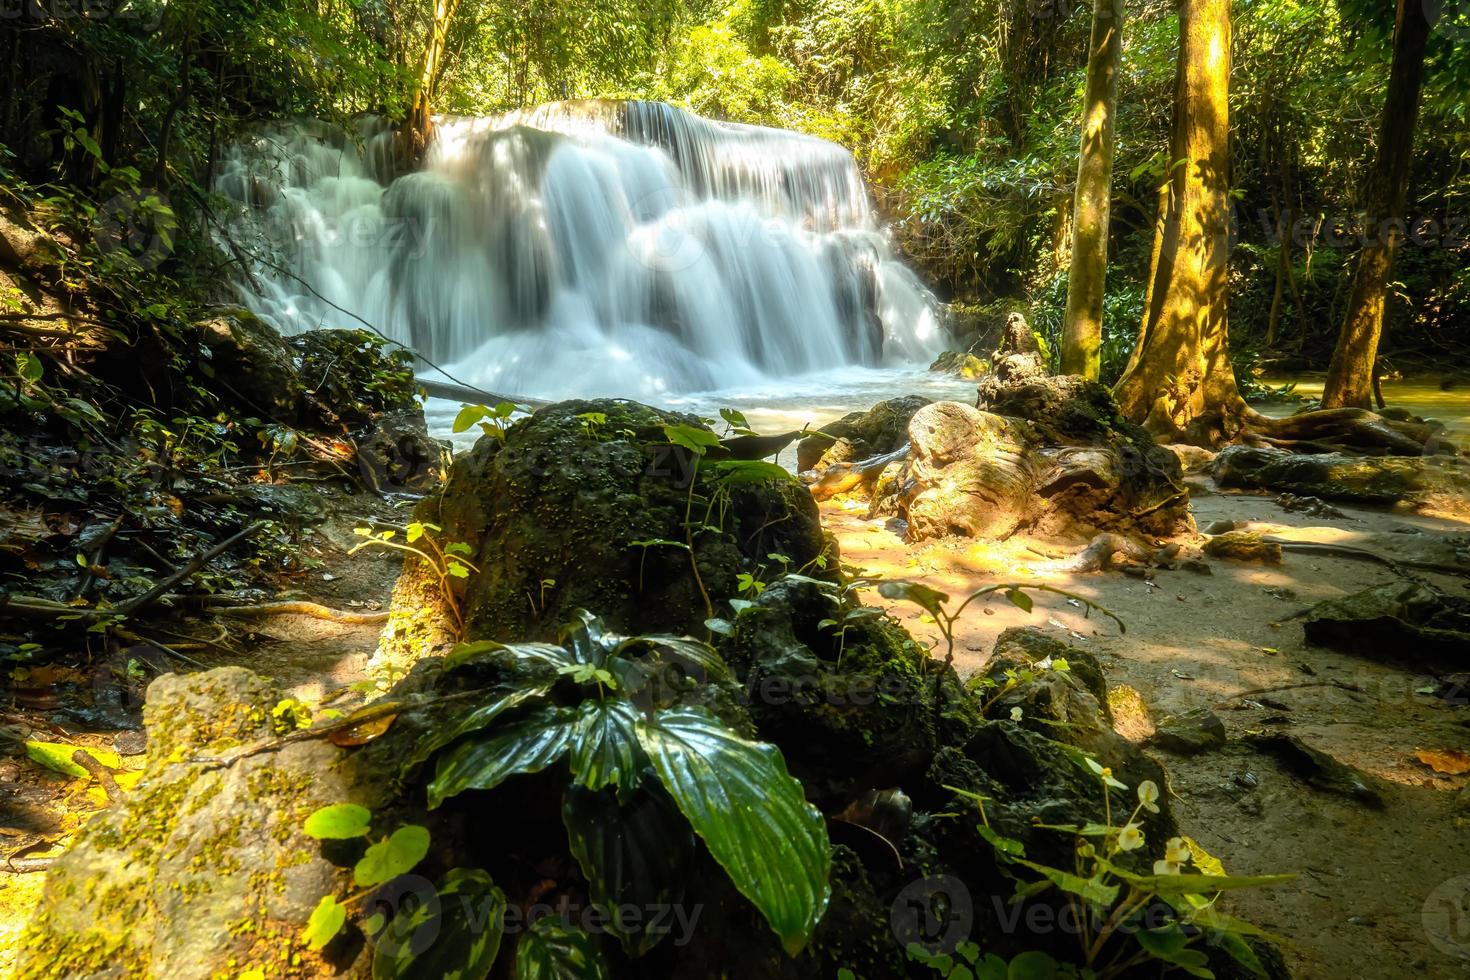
<point>548,654</point>
<point>751,814</point>
<point>1032,965</point>
<point>551,951</point>
<point>585,639</point>
<point>388,859</point>
<point>695,438</point>
<point>604,749</point>
<point>456,936</point>
<point>340,821</point>
<point>474,720</point>
<point>636,854</point>
<point>697,659</point>
<point>529,744</point>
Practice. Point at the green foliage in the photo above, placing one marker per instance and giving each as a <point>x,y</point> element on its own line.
<point>457,936</point>
<point>613,709</point>
<point>1127,920</point>
<point>447,561</point>
<point>385,859</point>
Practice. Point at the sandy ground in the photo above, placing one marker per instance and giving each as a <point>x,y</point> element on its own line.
<point>1358,907</point>
<point>1367,878</point>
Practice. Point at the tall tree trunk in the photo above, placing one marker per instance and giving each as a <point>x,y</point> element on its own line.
<point>415,132</point>
<point>1350,377</point>
<point>1082,330</point>
<point>1180,383</point>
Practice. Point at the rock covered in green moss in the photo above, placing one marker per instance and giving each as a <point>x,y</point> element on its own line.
<point>1439,483</point>
<point>587,505</point>
<point>199,871</point>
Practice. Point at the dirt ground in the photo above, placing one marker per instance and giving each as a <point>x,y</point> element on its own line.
<point>1380,893</point>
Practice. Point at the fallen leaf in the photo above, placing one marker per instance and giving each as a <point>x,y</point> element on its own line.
<point>1451,762</point>
<point>363,732</point>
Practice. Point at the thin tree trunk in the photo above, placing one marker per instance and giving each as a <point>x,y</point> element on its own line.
<point>1082,331</point>
<point>1350,377</point>
<point>417,126</point>
<point>1181,384</point>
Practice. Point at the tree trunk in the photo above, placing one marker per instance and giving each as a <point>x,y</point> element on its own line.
<point>1180,383</point>
<point>1350,377</point>
<point>1082,330</point>
<point>414,135</point>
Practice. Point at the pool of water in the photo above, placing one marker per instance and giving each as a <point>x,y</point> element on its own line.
<point>1420,395</point>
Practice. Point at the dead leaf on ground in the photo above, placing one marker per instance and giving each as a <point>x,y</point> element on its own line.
<point>1451,762</point>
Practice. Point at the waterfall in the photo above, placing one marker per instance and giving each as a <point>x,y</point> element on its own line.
<point>583,248</point>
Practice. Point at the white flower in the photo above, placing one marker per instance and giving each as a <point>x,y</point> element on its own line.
<point>1017,714</point>
<point>1130,838</point>
<point>1148,795</point>
<point>1165,868</point>
<point>1176,851</point>
<point>1105,772</point>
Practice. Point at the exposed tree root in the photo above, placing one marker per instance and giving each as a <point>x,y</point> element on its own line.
<point>1355,431</point>
<point>297,608</point>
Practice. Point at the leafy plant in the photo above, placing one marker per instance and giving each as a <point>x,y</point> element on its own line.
<point>447,562</point>
<point>492,420</point>
<point>385,859</point>
<point>933,602</point>
<point>1168,913</point>
<point>644,770</point>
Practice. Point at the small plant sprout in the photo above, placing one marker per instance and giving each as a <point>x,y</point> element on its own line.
<point>447,562</point>
<point>494,421</point>
<point>385,859</point>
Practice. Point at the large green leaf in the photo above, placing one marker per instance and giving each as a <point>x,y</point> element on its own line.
<point>696,658</point>
<point>339,821</point>
<point>387,859</point>
<point>529,744</point>
<point>456,936</point>
<point>751,814</point>
<point>604,749</point>
<point>473,720</point>
<point>586,640</point>
<point>548,654</point>
<point>635,855</point>
<point>551,951</point>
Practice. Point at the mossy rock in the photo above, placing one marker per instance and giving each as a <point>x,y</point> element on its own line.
<point>200,871</point>
<point>583,506</point>
<point>860,435</point>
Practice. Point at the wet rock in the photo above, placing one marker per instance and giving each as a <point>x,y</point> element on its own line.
<point>1439,483</point>
<point>161,882</point>
<point>251,364</point>
<point>1131,717</point>
<point>1193,459</point>
<point>351,377</point>
<point>960,364</point>
<point>1243,546</point>
<point>1310,506</point>
<point>1319,769</point>
<point>395,452</point>
<point>860,435</point>
<point>1401,619</point>
<point>1191,732</point>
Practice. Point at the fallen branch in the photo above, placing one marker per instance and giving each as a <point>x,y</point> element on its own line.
<point>22,866</point>
<point>1363,554</point>
<point>193,565</point>
<point>100,772</point>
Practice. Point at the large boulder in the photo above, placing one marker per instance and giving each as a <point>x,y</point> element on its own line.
<point>1403,620</point>
<point>584,506</point>
<point>251,365</point>
<point>201,870</point>
<point>860,435</point>
<point>1064,473</point>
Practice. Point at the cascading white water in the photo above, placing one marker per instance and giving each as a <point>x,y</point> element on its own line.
<point>595,248</point>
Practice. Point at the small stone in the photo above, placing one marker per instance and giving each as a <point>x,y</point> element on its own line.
<point>1243,546</point>
<point>1219,527</point>
<point>1190,733</point>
